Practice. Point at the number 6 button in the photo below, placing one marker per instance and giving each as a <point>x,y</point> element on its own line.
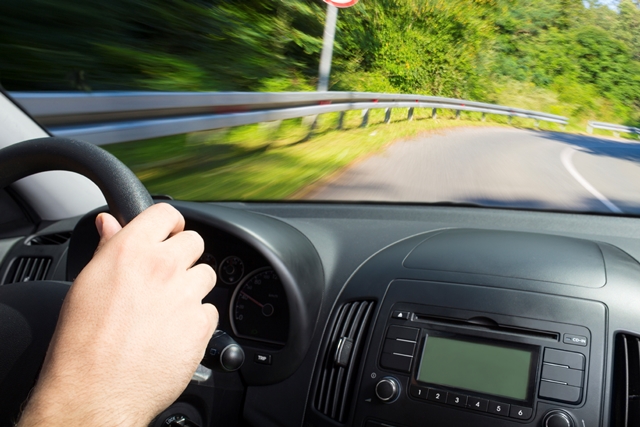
<point>499,408</point>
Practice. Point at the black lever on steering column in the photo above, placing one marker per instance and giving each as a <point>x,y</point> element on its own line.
<point>223,353</point>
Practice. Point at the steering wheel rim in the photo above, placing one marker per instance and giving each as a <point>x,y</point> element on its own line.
<point>29,311</point>
<point>125,194</point>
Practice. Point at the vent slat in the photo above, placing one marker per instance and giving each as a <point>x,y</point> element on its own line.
<point>19,270</point>
<point>335,382</point>
<point>50,239</point>
<point>28,269</point>
<point>626,382</point>
<point>325,374</point>
<point>339,388</point>
<point>351,370</point>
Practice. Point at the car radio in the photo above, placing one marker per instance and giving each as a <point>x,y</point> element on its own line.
<point>455,367</point>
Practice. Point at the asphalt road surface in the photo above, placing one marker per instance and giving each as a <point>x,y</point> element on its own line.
<point>498,167</point>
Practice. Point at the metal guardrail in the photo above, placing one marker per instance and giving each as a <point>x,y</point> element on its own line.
<point>111,117</point>
<point>617,129</point>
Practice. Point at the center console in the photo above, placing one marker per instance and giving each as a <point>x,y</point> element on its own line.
<point>456,355</point>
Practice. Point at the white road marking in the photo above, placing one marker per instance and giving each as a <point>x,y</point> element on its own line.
<point>566,156</point>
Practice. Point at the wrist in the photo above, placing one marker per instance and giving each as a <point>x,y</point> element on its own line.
<point>58,408</point>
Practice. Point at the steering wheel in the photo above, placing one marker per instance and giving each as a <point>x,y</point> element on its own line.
<point>29,311</point>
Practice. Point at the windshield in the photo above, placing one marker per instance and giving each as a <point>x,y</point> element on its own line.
<point>530,104</point>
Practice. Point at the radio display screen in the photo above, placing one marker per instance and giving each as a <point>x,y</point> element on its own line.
<point>483,368</point>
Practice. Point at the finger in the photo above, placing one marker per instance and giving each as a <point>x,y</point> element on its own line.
<point>202,279</point>
<point>212,314</point>
<point>107,227</point>
<point>186,247</point>
<point>157,223</point>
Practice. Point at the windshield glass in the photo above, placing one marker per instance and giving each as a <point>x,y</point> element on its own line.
<point>530,104</point>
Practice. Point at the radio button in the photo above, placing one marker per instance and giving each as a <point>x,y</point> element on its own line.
<point>398,346</point>
<point>575,340</point>
<point>437,395</point>
<point>568,376</point>
<point>520,412</point>
<point>499,408</point>
<point>396,362</point>
<point>401,315</point>
<point>565,358</point>
<point>418,392</point>
<point>560,392</point>
<point>456,399</point>
<point>477,404</point>
<point>402,332</point>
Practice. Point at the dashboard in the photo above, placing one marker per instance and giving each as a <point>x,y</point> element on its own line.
<point>400,316</point>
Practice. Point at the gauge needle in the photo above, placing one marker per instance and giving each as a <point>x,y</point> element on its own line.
<point>248,297</point>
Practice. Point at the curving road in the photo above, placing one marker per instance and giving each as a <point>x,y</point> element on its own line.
<point>498,167</point>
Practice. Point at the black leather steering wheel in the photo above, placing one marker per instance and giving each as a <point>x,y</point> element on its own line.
<point>29,311</point>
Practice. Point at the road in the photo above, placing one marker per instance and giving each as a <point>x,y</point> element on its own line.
<point>498,167</point>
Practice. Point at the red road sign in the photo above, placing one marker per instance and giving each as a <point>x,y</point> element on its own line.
<point>341,3</point>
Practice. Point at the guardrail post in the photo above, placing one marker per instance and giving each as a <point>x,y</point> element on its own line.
<point>536,123</point>
<point>457,114</point>
<point>616,134</point>
<point>387,116</point>
<point>341,119</point>
<point>434,113</point>
<point>484,117</point>
<point>410,114</point>
<point>509,119</point>
<point>365,118</point>
<point>589,130</point>
<point>272,126</point>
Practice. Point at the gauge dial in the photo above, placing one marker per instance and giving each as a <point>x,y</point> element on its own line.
<point>207,258</point>
<point>259,308</point>
<point>231,270</point>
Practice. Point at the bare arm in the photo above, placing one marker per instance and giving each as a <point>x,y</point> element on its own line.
<point>132,328</point>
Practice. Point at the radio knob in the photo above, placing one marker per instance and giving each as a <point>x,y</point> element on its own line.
<point>558,418</point>
<point>388,389</point>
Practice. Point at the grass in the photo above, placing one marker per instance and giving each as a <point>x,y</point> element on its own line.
<point>273,161</point>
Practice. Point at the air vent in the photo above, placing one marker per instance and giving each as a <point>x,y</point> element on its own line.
<point>342,358</point>
<point>626,382</point>
<point>28,269</point>
<point>49,239</point>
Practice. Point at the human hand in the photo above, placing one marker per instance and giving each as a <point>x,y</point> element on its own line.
<point>132,329</point>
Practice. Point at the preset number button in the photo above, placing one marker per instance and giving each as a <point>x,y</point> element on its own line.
<point>437,395</point>
<point>456,399</point>
<point>477,404</point>
<point>520,412</point>
<point>499,408</point>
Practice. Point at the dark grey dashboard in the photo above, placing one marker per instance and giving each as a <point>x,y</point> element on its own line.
<point>526,278</point>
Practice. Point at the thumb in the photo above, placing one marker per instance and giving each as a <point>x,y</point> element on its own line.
<point>107,227</point>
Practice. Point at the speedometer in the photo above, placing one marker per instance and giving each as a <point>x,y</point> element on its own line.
<point>259,308</point>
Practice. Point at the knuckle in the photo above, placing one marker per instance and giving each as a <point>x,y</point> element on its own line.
<point>196,238</point>
<point>170,212</point>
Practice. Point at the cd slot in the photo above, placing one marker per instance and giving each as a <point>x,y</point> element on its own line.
<point>485,323</point>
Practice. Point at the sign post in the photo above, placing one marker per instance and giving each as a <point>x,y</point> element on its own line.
<point>327,40</point>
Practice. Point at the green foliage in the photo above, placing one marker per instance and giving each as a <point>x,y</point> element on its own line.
<point>582,54</point>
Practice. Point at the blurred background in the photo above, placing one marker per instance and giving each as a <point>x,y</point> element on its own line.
<point>579,59</point>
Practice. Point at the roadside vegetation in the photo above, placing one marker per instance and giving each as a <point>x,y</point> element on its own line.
<point>579,59</point>
<point>576,58</point>
<point>274,161</point>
